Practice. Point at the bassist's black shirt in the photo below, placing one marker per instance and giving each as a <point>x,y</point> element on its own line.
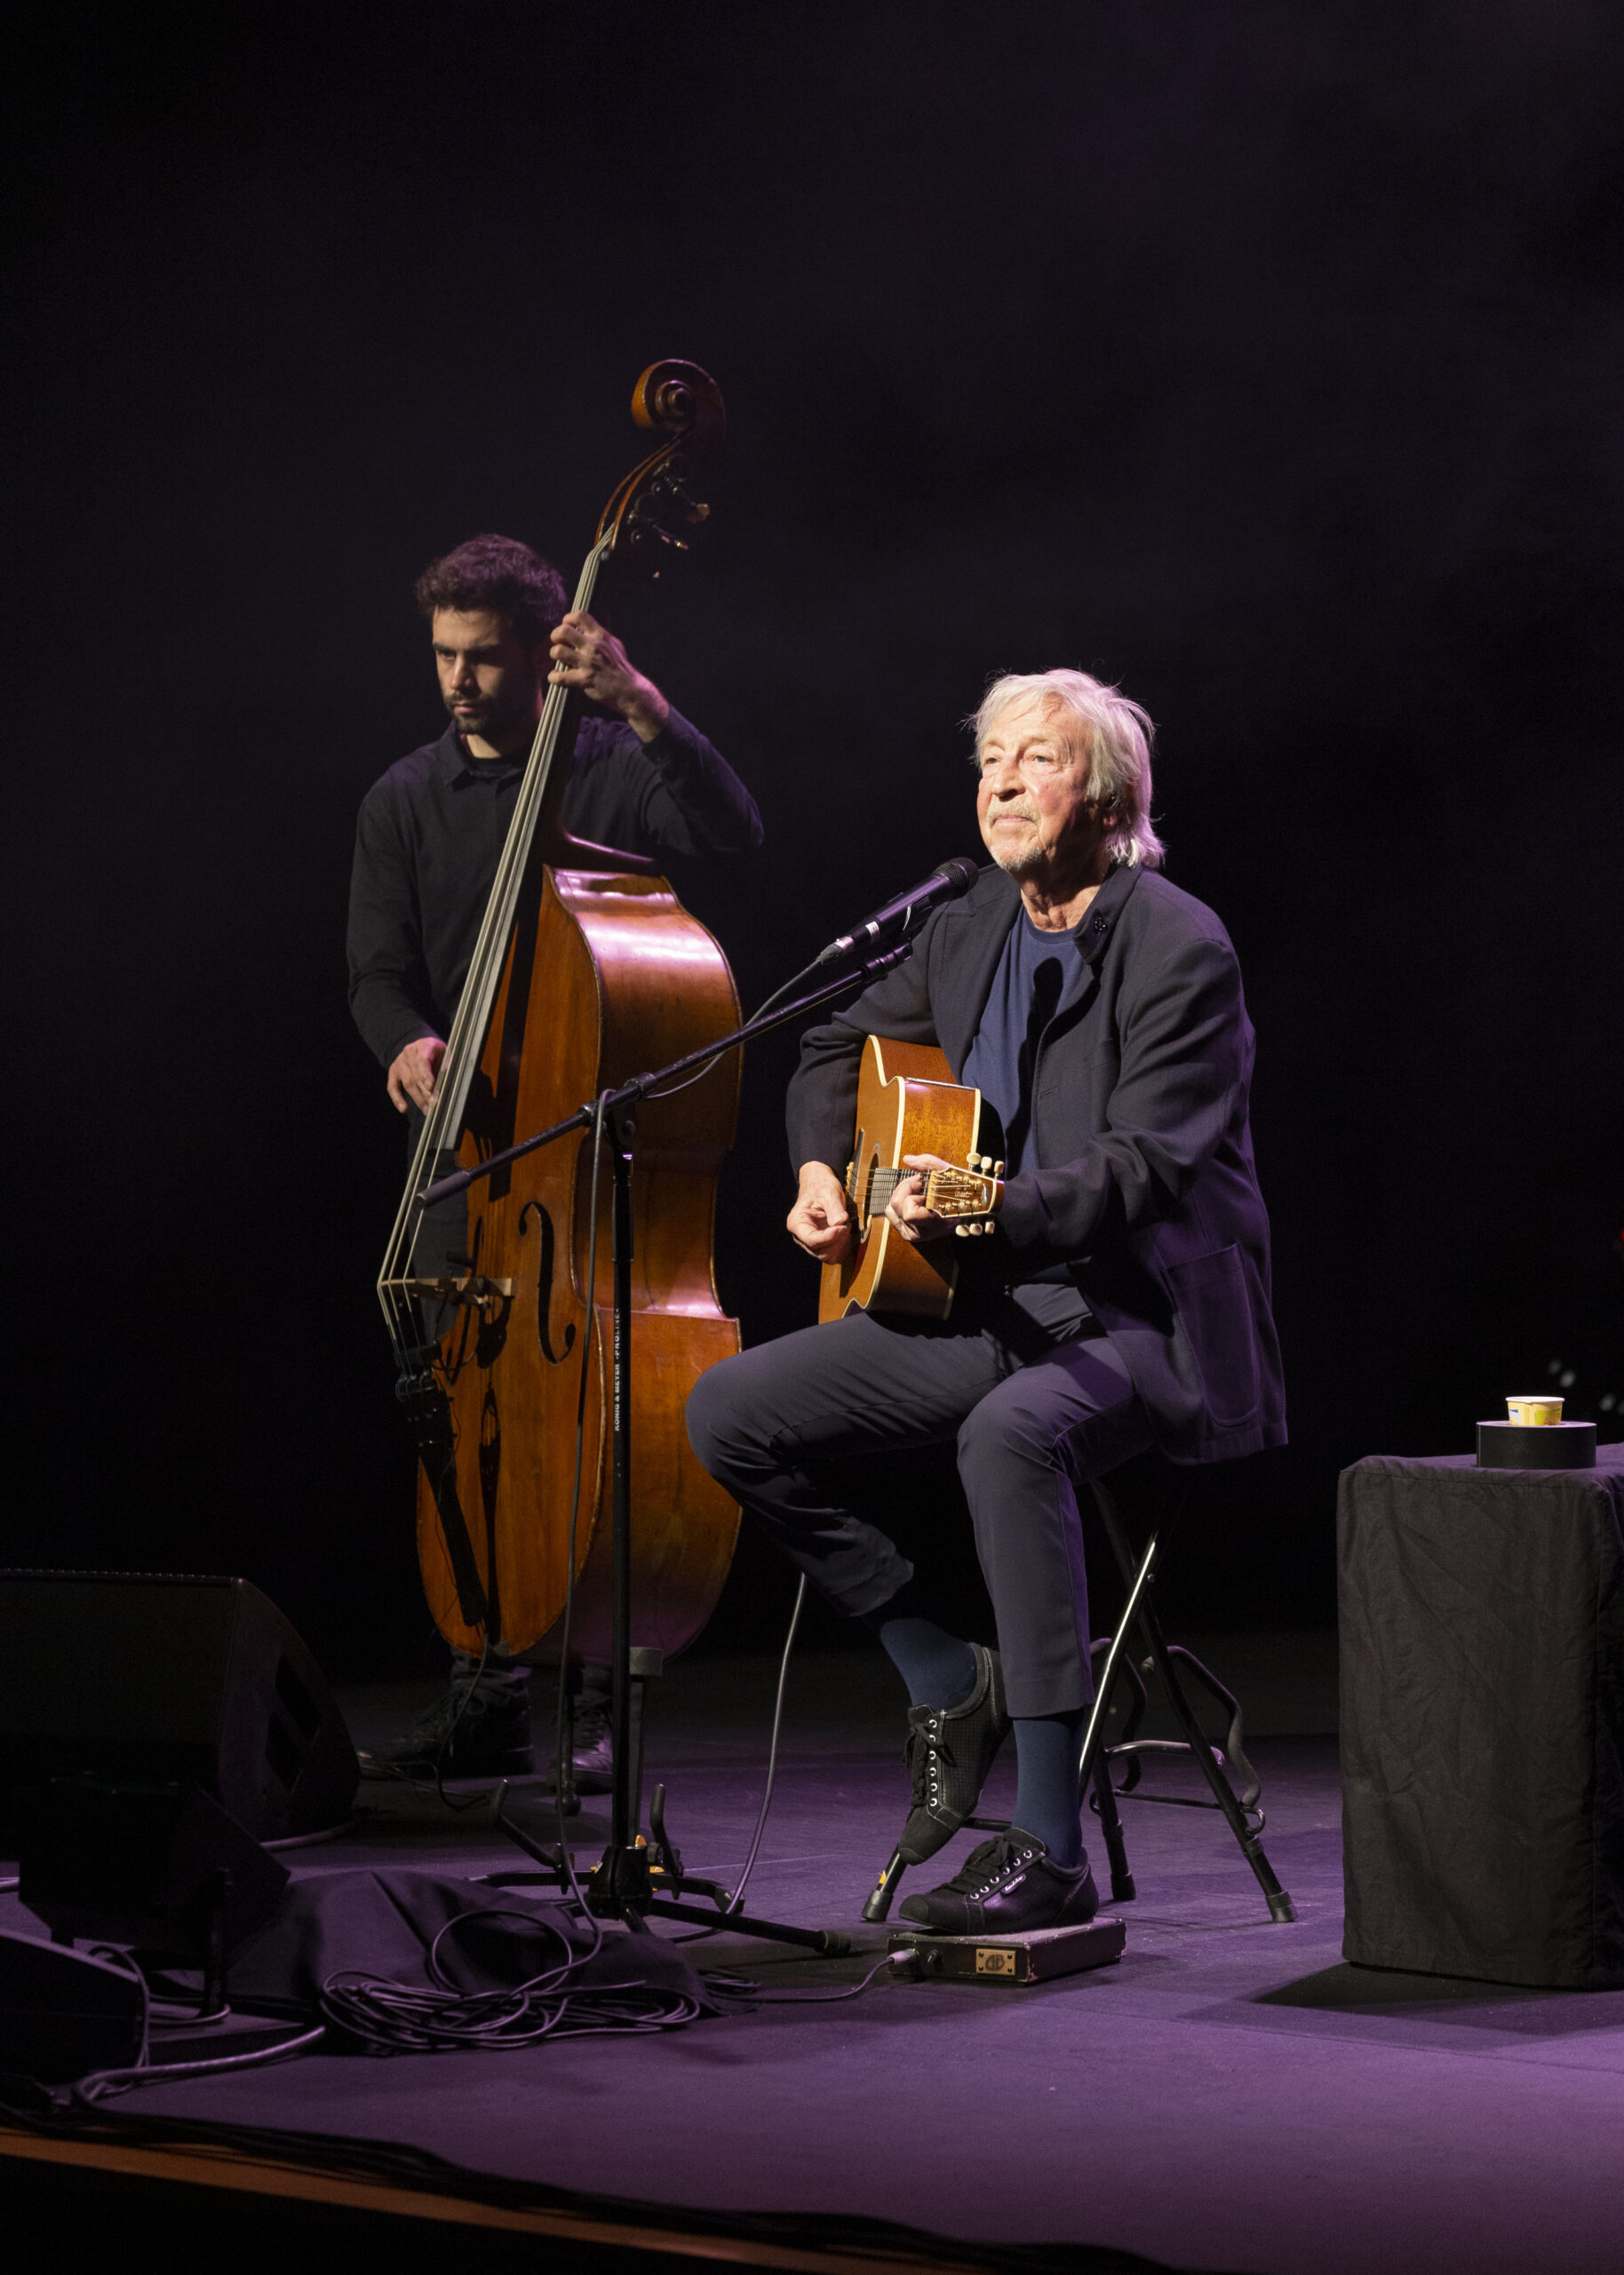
<point>430,834</point>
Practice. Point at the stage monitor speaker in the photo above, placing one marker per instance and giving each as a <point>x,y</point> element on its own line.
<point>161,1867</point>
<point>169,1678</point>
<point>63,2014</point>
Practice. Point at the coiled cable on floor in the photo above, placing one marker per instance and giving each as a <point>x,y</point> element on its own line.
<point>392,2017</point>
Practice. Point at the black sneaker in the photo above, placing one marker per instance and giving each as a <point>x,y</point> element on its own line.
<point>593,1760</point>
<point>950,1750</point>
<point>468,1732</point>
<point>1007,1887</point>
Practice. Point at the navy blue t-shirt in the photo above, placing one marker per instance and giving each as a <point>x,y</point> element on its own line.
<point>1036,973</point>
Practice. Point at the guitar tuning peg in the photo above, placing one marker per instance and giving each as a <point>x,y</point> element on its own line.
<point>998,1168</point>
<point>964,1231</point>
<point>971,1162</point>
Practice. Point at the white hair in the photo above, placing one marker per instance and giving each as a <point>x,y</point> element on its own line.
<point>1120,735</point>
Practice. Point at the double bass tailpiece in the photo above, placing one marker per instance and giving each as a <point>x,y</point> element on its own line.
<point>472,1288</point>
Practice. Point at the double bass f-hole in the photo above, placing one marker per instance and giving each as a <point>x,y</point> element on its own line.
<point>544,1287</point>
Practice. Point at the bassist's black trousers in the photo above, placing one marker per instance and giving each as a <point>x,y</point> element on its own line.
<point>786,1428</point>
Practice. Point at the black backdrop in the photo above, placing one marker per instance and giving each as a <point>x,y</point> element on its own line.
<point>1265,359</point>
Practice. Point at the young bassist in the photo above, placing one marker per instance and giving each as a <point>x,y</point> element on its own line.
<point>1118,1298</point>
<point>427,843</point>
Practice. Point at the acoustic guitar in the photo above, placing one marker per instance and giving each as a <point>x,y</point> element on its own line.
<point>908,1102</point>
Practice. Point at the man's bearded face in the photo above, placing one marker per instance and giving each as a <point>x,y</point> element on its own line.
<point>488,677</point>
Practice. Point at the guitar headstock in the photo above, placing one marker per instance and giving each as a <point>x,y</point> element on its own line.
<point>969,1197</point>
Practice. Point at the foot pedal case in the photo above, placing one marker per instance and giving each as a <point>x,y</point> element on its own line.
<point>1038,1956</point>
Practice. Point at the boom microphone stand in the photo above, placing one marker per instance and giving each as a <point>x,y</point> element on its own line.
<point>623,1885</point>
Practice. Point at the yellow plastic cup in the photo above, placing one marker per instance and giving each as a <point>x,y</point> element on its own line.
<point>1534,1413</point>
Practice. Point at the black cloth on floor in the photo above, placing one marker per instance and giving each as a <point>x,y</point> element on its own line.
<point>1483,1719</point>
<point>382,1921</point>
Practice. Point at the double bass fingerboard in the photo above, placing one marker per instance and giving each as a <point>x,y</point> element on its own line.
<point>442,1124</point>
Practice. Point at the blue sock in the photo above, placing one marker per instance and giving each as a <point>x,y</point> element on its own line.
<point>938,1669</point>
<point>1049,1748</point>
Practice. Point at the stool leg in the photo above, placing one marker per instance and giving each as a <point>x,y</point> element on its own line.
<point>1280,1906</point>
<point>1137,1612</point>
<point>885,1888</point>
<point>1122,1887</point>
<point>1094,1737</point>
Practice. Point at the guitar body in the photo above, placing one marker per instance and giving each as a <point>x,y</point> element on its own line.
<point>907,1102</point>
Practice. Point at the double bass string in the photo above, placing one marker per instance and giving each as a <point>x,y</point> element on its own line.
<point>472,1017</point>
<point>457,1388</point>
<point>443,1120</point>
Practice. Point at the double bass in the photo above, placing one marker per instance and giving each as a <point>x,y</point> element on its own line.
<point>586,970</point>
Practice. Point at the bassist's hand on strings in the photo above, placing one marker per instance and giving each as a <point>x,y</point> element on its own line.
<point>587,657</point>
<point>411,1076</point>
<point>820,1222</point>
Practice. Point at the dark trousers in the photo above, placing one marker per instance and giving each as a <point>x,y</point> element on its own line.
<point>786,1428</point>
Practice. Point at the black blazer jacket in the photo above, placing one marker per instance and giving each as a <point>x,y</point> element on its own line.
<point>1146,1190</point>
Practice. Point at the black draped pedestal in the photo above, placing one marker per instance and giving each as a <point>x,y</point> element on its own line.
<point>1482,1615</point>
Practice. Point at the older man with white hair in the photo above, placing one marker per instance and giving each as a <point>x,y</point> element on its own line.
<point>1121,1302</point>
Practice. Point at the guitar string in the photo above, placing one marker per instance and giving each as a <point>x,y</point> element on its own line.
<point>882,1183</point>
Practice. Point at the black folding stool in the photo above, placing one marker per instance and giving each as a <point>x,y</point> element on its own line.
<point>1245,1818</point>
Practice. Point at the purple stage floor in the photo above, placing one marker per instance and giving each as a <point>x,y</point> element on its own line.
<point>1231,2096</point>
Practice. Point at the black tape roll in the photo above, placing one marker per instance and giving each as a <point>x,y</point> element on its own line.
<point>1551,1445</point>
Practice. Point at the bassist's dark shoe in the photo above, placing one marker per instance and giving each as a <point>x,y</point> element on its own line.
<point>469,1732</point>
<point>1007,1887</point>
<point>593,1760</point>
<point>950,1750</point>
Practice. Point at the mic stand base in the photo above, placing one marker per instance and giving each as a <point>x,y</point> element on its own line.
<point>635,1882</point>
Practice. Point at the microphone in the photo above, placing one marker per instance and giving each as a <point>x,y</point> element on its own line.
<point>907,911</point>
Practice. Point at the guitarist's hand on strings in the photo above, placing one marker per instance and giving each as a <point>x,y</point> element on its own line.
<point>820,1222</point>
<point>587,657</point>
<point>907,1211</point>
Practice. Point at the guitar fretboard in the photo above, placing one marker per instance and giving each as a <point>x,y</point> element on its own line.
<point>954,1192</point>
<point>882,1184</point>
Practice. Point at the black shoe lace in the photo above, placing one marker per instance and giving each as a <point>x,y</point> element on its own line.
<point>921,1744</point>
<point>986,1865</point>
